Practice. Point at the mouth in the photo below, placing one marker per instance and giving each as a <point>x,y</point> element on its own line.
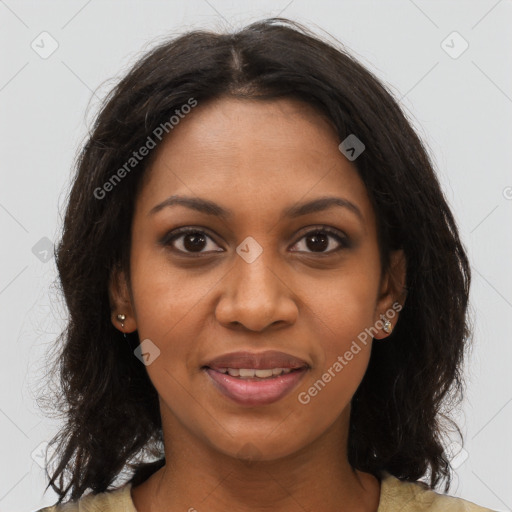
<point>255,387</point>
<point>255,378</point>
<point>255,374</point>
<point>248,361</point>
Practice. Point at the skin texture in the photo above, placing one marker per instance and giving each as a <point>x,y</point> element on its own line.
<point>295,297</point>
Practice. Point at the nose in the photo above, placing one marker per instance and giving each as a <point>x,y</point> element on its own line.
<point>256,296</point>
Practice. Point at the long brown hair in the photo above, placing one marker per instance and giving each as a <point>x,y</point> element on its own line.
<point>111,408</point>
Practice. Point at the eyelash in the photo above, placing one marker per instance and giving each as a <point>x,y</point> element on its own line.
<point>174,235</point>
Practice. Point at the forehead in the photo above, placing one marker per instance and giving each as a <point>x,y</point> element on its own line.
<point>230,127</point>
<point>253,153</point>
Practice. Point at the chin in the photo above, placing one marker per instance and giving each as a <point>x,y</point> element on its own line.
<point>251,449</point>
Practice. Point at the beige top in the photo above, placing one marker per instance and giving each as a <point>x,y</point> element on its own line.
<point>395,495</point>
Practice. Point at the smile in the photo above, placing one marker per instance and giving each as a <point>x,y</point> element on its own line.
<point>247,373</point>
<point>255,387</point>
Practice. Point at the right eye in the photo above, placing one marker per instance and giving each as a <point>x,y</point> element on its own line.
<point>189,241</point>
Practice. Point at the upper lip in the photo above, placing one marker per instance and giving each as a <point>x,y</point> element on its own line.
<point>256,360</point>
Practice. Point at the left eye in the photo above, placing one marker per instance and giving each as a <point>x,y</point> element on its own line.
<point>319,239</point>
<point>192,240</point>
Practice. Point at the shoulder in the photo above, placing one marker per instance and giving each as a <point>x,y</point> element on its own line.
<point>117,500</point>
<point>397,494</point>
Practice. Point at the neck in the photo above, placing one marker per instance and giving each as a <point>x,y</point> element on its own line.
<point>197,477</point>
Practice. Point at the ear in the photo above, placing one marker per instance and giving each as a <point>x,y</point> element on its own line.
<point>392,293</point>
<point>120,301</point>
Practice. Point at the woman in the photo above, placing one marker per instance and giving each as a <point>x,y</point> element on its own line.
<point>267,290</point>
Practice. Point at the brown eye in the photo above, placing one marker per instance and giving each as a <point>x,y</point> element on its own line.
<point>196,241</point>
<point>323,241</point>
<point>190,240</point>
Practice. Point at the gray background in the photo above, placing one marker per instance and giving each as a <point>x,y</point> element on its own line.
<point>461,107</point>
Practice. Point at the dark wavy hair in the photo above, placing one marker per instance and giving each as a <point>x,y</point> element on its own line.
<point>400,412</point>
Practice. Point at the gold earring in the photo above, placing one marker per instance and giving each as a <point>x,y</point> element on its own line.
<point>387,326</point>
<point>121,318</point>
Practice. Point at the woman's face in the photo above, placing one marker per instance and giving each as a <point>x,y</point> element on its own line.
<point>268,274</point>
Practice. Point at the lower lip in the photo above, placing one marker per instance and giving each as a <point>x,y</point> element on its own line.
<point>251,393</point>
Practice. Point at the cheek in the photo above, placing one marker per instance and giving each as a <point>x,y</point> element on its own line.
<point>341,312</point>
<point>164,294</point>
<point>166,304</point>
<point>344,350</point>
<point>168,314</point>
<point>344,306</point>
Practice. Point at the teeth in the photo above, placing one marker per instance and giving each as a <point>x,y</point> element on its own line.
<point>249,373</point>
<point>263,374</point>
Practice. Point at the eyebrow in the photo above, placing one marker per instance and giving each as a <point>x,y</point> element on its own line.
<point>297,210</point>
